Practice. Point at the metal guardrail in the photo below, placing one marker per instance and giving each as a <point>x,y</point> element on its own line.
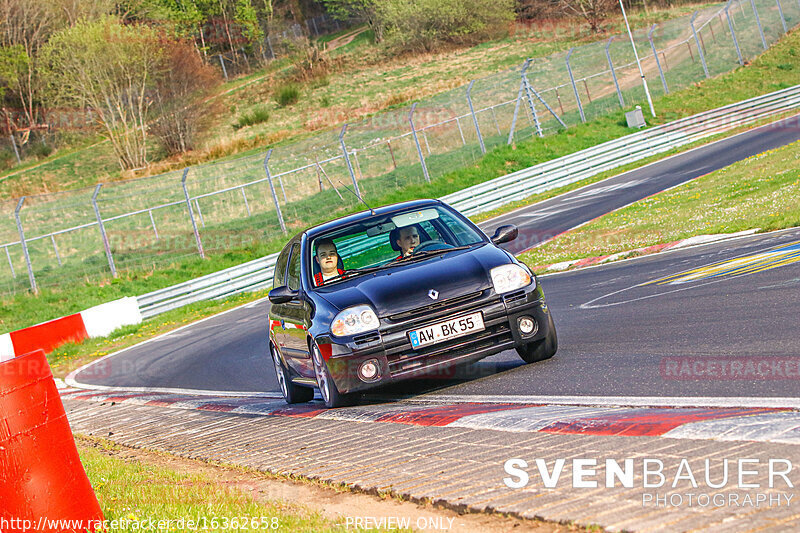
<point>252,276</point>
<point>257,274</point>
<point>618,152</point>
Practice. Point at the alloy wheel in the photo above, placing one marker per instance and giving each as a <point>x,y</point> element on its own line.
<point>322,375</point>
<point>279,372</point>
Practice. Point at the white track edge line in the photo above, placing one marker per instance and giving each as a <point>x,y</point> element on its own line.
<point>615,401</point>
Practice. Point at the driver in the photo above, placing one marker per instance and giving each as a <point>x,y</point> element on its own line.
<point>407,240</point>
<point>328,259</point>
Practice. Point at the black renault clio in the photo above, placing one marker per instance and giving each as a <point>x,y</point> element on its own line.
<point>398,292</point>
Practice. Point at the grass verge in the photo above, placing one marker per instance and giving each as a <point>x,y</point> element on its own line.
<point>137,493</point>
<point>758,192</point>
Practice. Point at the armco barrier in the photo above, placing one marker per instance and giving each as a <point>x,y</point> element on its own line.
<point>43,484</point>
<point>495,193</point>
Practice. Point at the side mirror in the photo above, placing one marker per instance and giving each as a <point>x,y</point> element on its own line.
<point>282,295</point>
<point>505,233</point>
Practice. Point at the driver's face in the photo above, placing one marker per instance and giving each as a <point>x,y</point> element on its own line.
<point>409,239</point>
<point>327,257</point>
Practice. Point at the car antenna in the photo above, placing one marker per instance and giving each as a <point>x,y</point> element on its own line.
<point>372,211</point>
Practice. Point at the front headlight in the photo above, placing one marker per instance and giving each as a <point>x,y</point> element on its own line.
<point>507,278</point>
<point>354,320</point>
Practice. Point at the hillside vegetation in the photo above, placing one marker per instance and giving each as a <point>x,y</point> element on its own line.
<point>348,83</point>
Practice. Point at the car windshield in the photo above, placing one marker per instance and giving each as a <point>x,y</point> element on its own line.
<point>387,241</point>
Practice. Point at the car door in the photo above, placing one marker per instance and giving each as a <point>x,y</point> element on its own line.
<point>276,321</point>
<point>294,317</point>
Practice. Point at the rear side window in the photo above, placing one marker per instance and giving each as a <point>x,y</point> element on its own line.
<point>280,268</point>
<point>293,280</point>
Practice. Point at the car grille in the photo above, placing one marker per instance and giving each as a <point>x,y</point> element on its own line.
<point>403,358</point>
<point>434,308</point>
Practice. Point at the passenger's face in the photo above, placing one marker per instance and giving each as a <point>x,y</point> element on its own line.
<point>327,257</point>
<point>409,239</point>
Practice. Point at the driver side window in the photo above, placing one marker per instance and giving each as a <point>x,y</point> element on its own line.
<point>293,280</point>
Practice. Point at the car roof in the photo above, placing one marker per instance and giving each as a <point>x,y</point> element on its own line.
<point>364,215</point>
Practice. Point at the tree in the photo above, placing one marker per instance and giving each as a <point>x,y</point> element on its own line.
<point>110,67</point>
<point>183,79</point>
<point>366,10</point>
<point>423,24</point>
<point>594,12</point>
<point>29,24</point>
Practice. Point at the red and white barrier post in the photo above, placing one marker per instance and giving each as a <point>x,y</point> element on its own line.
<point>43,486</point>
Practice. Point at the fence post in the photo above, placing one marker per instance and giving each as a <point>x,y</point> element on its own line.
<point>14,144</point>
<point>528,90</point>
<point>22,241</point>
<point>733,33</point>
<point>272,191</point>
<point>516,106</point>
<point>758,23</point>
<point>574,87</point>
<point>269,45</point>
<point>10,264</point>
<point>55,249</point>
<point>416,141</point>
<point>103,234</point>
<point>614,74</point>
<point>655,54</point>
<point>191,213</point>
<point>222,62</point>
<point>347,159</point>
<point>153,222</point>
<point>783,19</point>
<point>246,205</point>
<point>475,117</point>
<point>461,132</point>
<point>699,47</point>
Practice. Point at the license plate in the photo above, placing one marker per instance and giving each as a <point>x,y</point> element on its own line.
<point>449,329</point>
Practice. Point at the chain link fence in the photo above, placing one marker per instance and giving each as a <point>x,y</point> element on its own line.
<point>157,222</point>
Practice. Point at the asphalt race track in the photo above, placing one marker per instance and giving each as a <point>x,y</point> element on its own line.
<point>635,328</point>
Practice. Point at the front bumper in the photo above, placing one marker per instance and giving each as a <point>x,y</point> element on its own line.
<point>397,360</point>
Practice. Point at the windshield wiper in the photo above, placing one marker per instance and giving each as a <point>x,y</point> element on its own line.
<point>428,253</point>
<point>354,271</point>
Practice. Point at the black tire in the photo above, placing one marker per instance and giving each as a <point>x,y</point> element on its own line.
<point>291,393</point>
<point>327,388</point>
<point>542,349</point>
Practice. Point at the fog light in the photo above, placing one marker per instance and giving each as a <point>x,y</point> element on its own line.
<point>527,325</point>
<point>368,371</point>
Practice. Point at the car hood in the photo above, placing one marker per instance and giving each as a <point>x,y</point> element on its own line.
<point>402,288</point>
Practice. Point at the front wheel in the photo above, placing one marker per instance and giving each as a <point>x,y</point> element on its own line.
<point>291,393</point>
<point>542,349</point>
<point>327,388</point>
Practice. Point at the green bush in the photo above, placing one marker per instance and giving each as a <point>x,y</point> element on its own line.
<point>256,116</point>
<point>425,24</point>
<point>40,150</point>
<point>288,94</point>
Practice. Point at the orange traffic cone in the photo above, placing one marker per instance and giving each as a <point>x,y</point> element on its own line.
<point>43,486</point>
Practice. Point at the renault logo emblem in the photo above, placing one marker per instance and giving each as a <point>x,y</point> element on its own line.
<point>433,294</point>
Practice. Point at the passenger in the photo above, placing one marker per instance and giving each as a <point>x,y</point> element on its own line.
<point>328,259</point>
<point>408,239</point>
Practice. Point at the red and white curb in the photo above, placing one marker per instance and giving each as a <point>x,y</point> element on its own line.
<point>763,424</point>
<point>637,252</point>
<point>97,321</point>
